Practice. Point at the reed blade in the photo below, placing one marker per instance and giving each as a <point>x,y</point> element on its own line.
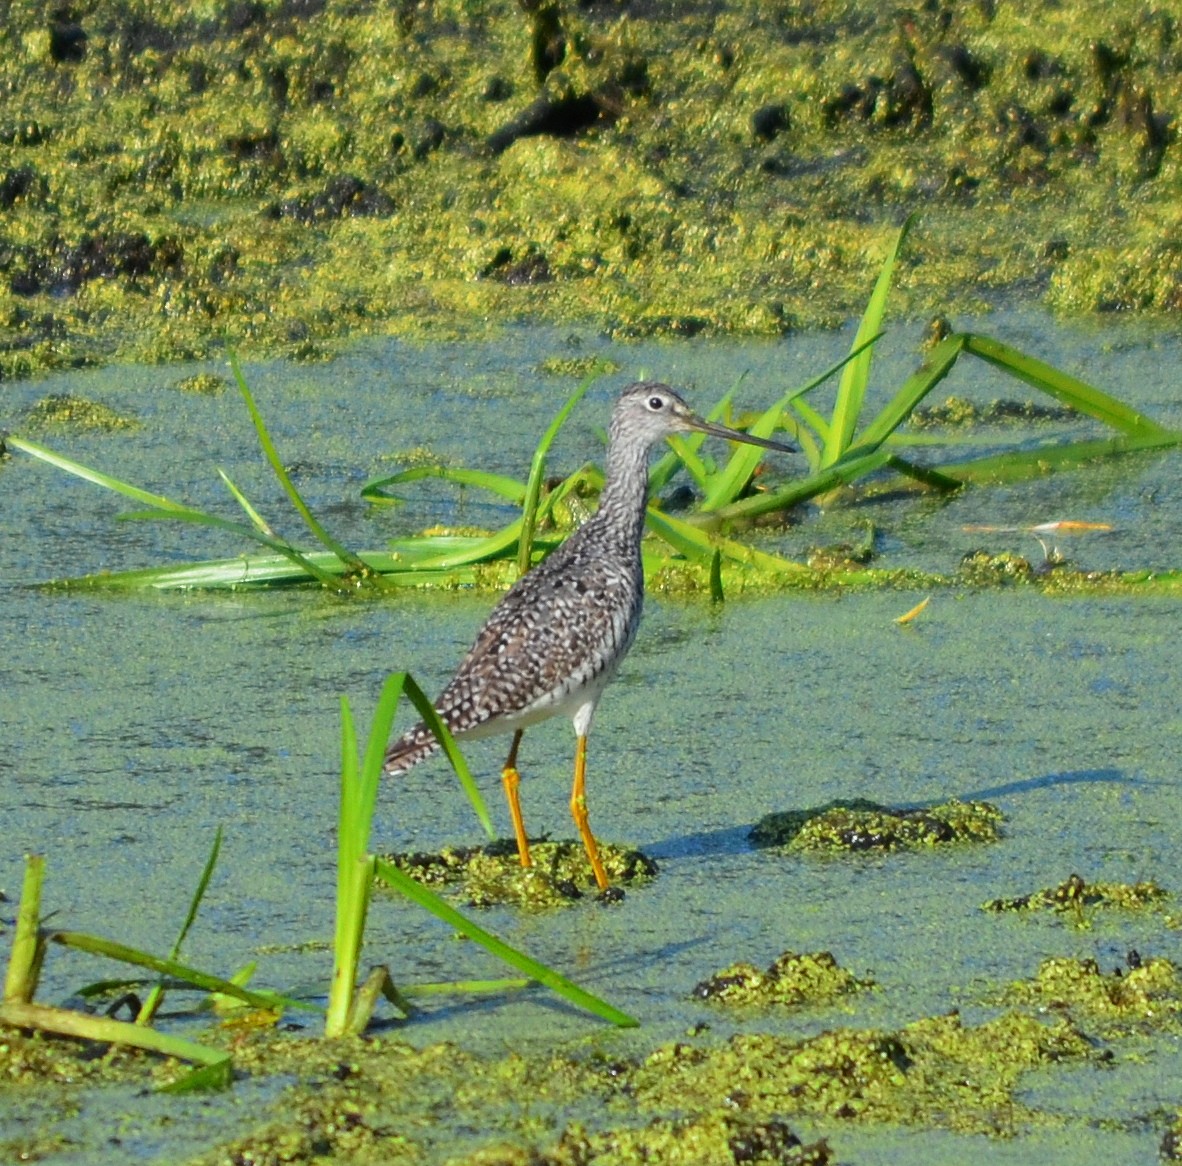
<point>377,490</point>
<point>1064,387</point>
<point>154,999</point>
<point>417,893</point>
<point>537,472</point>
<point>851,392</point>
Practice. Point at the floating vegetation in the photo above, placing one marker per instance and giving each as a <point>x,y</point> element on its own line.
<point>960,413</point>
<point>206,384</point>
<point>492,875</point>
<point>1076,897</point>
<point>65,411</point>
<point>936,1071</point>
<point>982,569</point>
<point>847,453</point>
<point>791,981</point>
<point>858,824</point>
<point>578,367</point>
<point>1147,990</point>
<point>684,1141</point>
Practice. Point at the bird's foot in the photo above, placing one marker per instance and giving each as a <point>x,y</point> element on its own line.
<point>610,895</point>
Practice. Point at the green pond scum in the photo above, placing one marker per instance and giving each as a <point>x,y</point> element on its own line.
<point>65,411</point>
<point>790,981</point>
<point>1076,897</point>
<point>1145,995</point>
<point>698,1100</point>
<point>858,824</point>
<point>491,875</point>
<point>288,174</point>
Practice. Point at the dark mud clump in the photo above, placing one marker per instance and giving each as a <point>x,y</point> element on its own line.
<point>560,875</point>
<point>791,981</point>
<point>859,825</point>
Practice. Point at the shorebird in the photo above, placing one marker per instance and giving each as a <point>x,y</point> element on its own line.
<point>556,638</point>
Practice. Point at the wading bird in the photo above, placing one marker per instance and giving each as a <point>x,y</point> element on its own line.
<point>556,638</point>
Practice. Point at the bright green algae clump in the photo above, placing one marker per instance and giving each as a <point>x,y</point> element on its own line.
<point>859,824</point>
<point>286,174</point>
<point>1146,995</point>
<point>1077,896</point>
<point>64,411</point>
<point>380,1101</point>
<point>791,981</point>
<point>559,876</point>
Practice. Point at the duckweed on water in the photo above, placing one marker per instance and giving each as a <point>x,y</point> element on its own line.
<point>65,411</point>
<point>289,174</point>
<point>791,981</point>
<point>722,1139</point>
<point>1074,896</point>
<point>936,1072</point>
<point>960,413</point>
<point>379,1101</point>
<point>1147,994</point>
<point>858,824</point>
<point>208,384</point>
<point>489,875</point>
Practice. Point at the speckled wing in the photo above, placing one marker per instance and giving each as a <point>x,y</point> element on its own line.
<point>557,634</point>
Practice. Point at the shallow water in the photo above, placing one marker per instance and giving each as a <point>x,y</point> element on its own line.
<point>134,725</point>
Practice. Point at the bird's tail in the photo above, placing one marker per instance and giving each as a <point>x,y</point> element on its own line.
<point>413,746</point>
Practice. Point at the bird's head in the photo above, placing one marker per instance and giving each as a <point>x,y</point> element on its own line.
<point>648,411</point>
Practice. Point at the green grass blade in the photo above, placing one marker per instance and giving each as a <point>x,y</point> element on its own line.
<point>259,522</point>
<point>420,895</point>
<point>377,490</point>
<point>152,1004</point>
<point>456,987</point>
<point>255,571</point>
<point>354,819</point>
<point>716,593</point>
<point>106,1030</point>
<point>537,472</point>
<point>819,426</point>
<point>728,484</point>
<point>163,507</point>
<point>700,547</point>
<point>1063,387</point>
<point>1024,465</point>
<point>686,451</point>
<point>849,469</point>
<point>96,945</point>
<point>98,478</point>
<point>28,947</point>
<point>322,575</point>
<point>339,549</point>
<point>938,480</point>
<point>448,743</point>
<point>937,365</point>
<point>851,392</point>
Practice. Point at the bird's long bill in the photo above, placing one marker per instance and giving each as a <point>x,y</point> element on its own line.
<point>734,435</point>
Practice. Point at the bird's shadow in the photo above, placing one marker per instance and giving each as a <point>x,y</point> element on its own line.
<point>730,840</point>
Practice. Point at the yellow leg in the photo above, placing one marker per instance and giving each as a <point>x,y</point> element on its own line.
<point>512,779</point>
<point>578,809</point>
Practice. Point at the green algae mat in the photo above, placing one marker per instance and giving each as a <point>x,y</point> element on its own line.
<point>289,174</point>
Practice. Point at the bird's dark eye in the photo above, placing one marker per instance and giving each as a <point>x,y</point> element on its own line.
<point>656,404</point>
